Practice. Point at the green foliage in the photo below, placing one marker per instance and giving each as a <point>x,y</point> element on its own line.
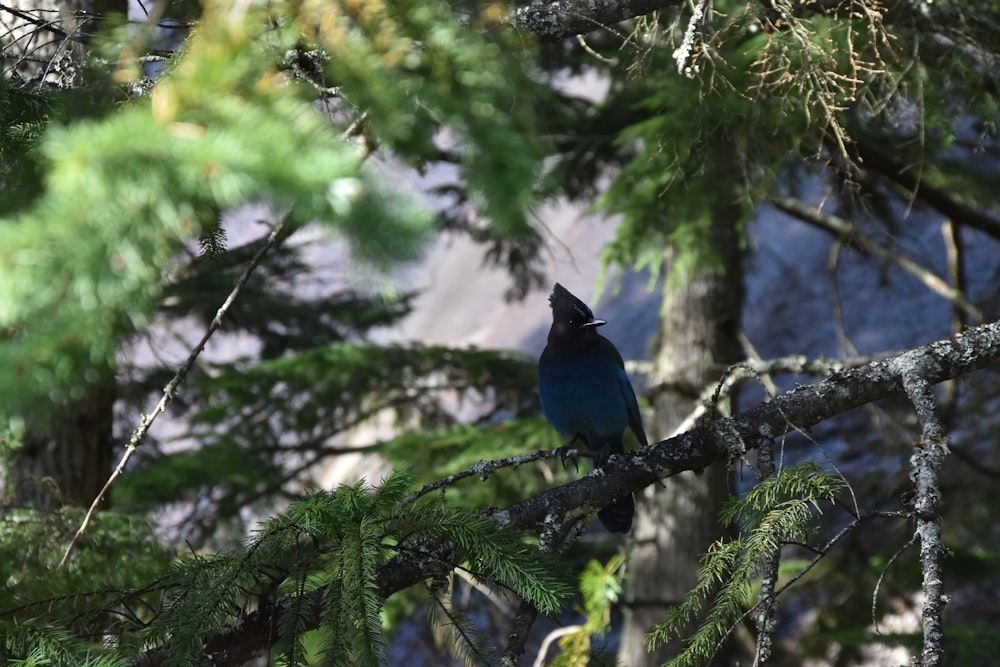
<point>37,643</point>
<point>103,249</point>
<point>222,464</point>
<point>686,153</point>
<point>601,587</point>
<point>434,454</point>
<point>213,241</point>
<point>758,105</point>
<point>24,114</point>
<point>244,457</point>
<point>294,321</point>
<point>704,148</point>
<point>83,266</point>
<point>319,561</point>
<point>778,509</point>
<point>56,616</point>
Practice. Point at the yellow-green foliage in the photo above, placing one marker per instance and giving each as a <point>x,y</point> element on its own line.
<point>415,68</point>
<point>601,587</point>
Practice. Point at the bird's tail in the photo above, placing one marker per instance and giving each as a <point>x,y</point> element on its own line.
<point>617,517</point>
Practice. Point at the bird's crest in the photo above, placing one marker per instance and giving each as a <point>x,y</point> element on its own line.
<point>567,308</point>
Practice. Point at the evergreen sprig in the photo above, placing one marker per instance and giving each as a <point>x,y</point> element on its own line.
<point>35,641</point>
<point>320,561</point>
<point>778,509</point>
<point>123,194</point>
<point>213,242</point>
<point>498,557</point>
<point>60,613</point>
<point>467,643</point>
<point>25,112</point>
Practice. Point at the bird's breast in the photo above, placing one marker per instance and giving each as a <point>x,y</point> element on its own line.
<point>580,398</point>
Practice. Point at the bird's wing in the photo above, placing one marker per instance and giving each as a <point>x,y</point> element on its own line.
<point>634,420</point>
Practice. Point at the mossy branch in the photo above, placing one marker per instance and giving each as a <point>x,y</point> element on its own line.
<point>720,439</point>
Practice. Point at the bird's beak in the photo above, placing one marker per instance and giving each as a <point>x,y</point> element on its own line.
<point>593,323</point>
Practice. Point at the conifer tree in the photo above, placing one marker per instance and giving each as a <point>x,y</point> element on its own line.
<point>308,112</point>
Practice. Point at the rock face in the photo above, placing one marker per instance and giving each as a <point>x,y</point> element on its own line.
<point>791,291</point>
<point>461,301</point>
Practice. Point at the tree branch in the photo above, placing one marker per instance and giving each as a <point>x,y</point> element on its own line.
<point>566,18</point>
<point>874,159</point>
<point>767,604</point>
<point>726,438</point>
<point>926,462</point>
<point>850,236</point>
<point>518,637</point>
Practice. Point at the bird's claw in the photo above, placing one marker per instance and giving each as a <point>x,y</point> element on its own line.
<point>564,452</point>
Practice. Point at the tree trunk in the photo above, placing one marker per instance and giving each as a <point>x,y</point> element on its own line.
<point>67,459</point>
<point>676,522</point>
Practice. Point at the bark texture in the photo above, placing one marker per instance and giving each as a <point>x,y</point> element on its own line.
<point>565,18</point>
<point>676,522</point>
<point>926,467</point>
<point>66,459</point>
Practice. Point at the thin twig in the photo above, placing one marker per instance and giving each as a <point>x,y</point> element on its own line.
<point>951,234</point>
<point>558,633</point>
<point>881,578</point>
<point>586,47</point>
<point>764,376</point>
<point>169,391</point>
<point>483,469</point>
<point>847,346</point>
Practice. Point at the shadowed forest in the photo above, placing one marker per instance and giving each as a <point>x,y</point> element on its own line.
<point>275,277</point>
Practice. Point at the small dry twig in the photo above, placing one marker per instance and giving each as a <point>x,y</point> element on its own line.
<point>169,391</point>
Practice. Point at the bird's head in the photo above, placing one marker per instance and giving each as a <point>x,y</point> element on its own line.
<point>570,316</point>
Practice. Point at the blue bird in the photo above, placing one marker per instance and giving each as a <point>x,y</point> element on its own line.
<point>585,393</point>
